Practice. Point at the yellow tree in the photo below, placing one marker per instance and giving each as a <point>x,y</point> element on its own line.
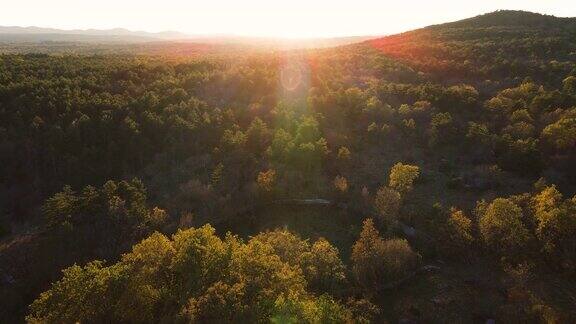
<point>266,180</point>
<point>402,177</point>
<point>556,225</point>
<point>343,153</point>
<point>502,229</point>
<point>341,184</point>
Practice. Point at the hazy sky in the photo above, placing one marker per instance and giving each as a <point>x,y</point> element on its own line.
<point>288,18</point>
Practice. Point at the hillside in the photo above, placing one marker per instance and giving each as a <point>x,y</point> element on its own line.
<point>425,177</point>
<point>515,19</point>
<point>497,46</point>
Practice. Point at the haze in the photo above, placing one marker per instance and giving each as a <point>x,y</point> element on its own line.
<point>294,18</point>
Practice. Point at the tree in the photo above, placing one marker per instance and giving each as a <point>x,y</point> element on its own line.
<point>81,295</point>
<point>561,134</point>
<point>556,225</point>
<point>289,247</point>
<point>234,138</point>
<point>257,136</point>
<point>266,180</point>
<point>398,259</point>
<point>282,146</point>
<point>520,130</point>
<point>461,227</point>
<point>521,156</point>
<point>307,131</point>
<point>320,262</point>
<point>323,309</point>
<point>308,156</point>
<point>117,209</point>
<point>363,310</point>
<point>143,279</point>
<point>569,85</point>
<point>366,255</point>
<point>156,217</point>
<point>323,269</point>
<point>387,203</point>
<point>198,277</point>
<point>58,209</point>
<point>441,128</point>
<point>521,115</point>
<point>217,174</point>
<point>221,303</point>
<point>341,184</point>
<point>502,229</point>
<point>376,261</point>
<point>479,134</point>
<point>343,153</point>
<point>456,234</point>
<point>402,177</point>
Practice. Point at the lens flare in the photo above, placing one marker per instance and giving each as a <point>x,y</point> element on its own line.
<point>291,75</point>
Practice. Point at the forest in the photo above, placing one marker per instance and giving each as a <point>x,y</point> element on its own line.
<point>424,177</point>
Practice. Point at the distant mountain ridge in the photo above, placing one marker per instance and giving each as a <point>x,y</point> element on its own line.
<point>165,35</point>
<point>32,34</point>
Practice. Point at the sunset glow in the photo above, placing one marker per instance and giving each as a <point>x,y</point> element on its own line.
<point>296,18</point>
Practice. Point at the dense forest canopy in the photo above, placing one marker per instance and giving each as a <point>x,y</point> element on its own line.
<point>427,176</point>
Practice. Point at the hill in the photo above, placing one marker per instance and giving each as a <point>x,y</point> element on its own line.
<point>514,18</point>
<point>499,46</point>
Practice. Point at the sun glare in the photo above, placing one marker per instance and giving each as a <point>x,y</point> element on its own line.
<point>257,18</point>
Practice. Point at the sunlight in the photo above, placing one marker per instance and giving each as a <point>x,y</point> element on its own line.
<point>258,18</point>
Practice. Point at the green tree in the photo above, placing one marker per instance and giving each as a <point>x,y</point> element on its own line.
<point>442,128</point>
<point>257,136</point>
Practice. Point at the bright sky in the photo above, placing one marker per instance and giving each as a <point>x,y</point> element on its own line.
<point>287,18</point>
